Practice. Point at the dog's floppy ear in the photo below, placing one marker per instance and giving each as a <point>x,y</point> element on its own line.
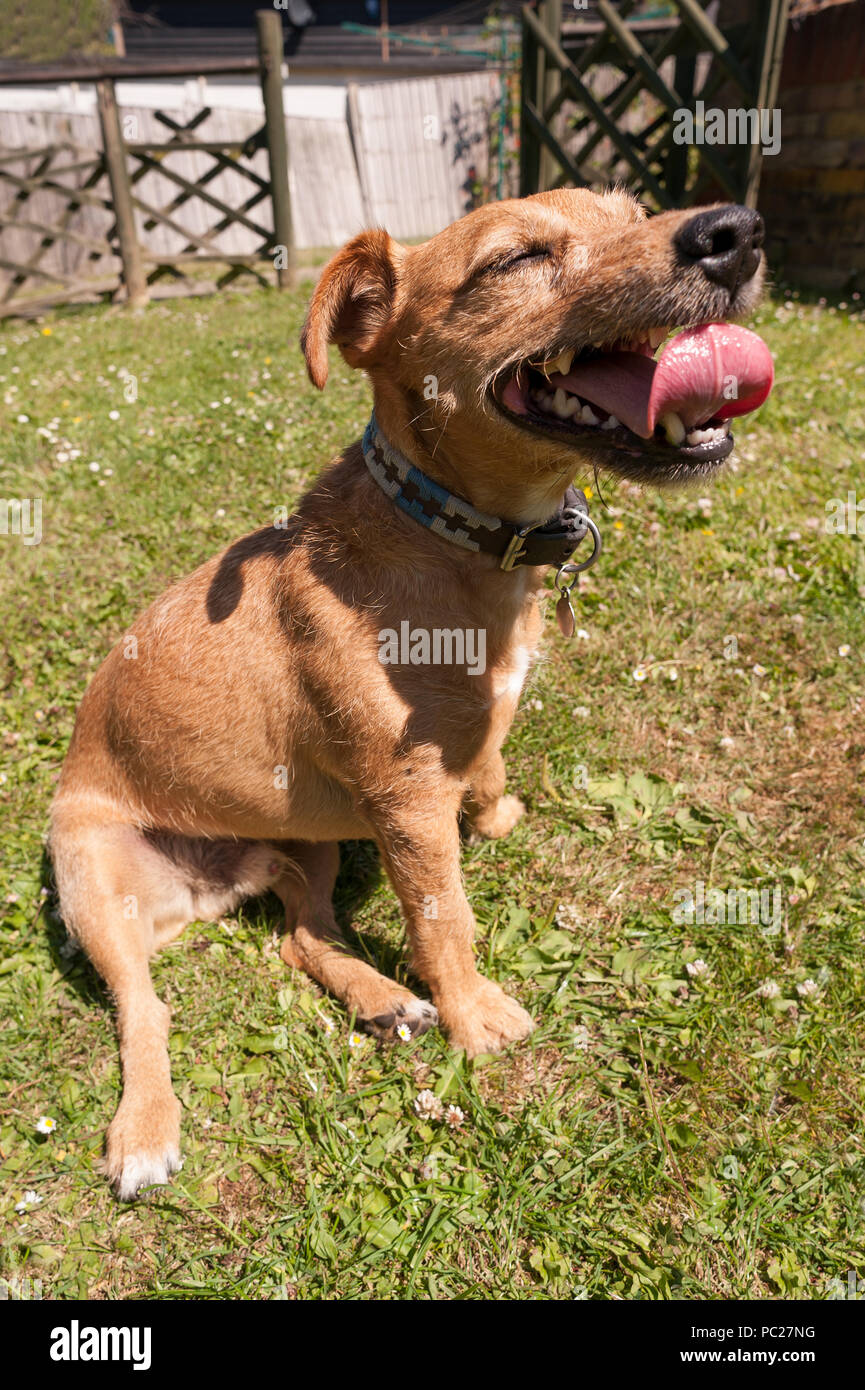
<point>352,302</point>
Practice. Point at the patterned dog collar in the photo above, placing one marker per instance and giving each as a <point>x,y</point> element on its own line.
<point>426,501</point>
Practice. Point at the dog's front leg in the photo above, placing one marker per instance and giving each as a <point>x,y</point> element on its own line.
<point>422,853</point>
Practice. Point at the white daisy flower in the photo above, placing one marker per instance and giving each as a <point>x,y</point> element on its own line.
<point>356,1040</point>
<point>45,1124</point>
<point>403,1032</point>
<point>639,673</point>
<point>30,1199</point>
<point>844,650</point>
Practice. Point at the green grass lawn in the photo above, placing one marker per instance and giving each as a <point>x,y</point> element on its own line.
<point>667,1132</point>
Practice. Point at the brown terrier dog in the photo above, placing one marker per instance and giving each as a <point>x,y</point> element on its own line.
<point>249,720</point>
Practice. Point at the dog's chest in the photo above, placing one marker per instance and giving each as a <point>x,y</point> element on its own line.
<point>510,674</point>
<point>513,659</point>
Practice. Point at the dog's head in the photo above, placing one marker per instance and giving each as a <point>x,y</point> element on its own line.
<point>515,350</point>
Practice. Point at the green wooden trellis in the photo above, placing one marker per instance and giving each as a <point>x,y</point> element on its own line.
<point>743,71</point>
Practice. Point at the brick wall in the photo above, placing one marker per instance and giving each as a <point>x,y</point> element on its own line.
<point>812,192</point>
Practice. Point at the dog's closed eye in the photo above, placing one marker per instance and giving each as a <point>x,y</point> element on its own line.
<point>502,264</point>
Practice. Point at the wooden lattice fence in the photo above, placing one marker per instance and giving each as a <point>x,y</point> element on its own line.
<point>113,198</point>
<point>36,179</point>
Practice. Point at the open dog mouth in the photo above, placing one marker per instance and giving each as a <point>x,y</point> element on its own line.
<point>674,411</point>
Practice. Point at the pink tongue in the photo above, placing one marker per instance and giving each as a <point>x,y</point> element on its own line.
<point>716,371</point>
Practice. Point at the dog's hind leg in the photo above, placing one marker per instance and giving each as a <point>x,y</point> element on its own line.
<point>314,943</point>
<point>108,897</point>
<point>123,893</point>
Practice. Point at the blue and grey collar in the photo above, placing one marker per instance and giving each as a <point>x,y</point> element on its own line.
<point>440,511</point>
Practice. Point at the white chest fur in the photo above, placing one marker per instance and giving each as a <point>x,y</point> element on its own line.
<point>510,677</point>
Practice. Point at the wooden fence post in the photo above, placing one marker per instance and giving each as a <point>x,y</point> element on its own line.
<point>137,291</point>
<point>550,15</point>
<point>270,52</point>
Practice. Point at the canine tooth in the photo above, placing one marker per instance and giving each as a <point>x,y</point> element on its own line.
<point>560,404</point>
<point>611,423</point>
<point>656,336</point>
<point>673,428</point>
<point>563,361</point>
<point>588,416</point>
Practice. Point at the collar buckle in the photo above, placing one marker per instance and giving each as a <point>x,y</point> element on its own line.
<point>516,547</point>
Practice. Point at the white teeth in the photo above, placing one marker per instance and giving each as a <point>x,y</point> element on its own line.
<point>588,416</point>
<point>713,434</point>
<point>673,428</point>
<point>610,424</point>
<point>573,406</point>
<point>560,404</point>
<point>563,361</point>
<point>656,336</point>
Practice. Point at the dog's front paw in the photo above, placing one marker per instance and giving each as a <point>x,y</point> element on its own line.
<point>485,1019</point>
<point>143,1146</point>
<point>497,820</point>
<point>407,1013</point>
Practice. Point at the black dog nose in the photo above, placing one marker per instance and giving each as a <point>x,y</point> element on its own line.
<point>725,243</point>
